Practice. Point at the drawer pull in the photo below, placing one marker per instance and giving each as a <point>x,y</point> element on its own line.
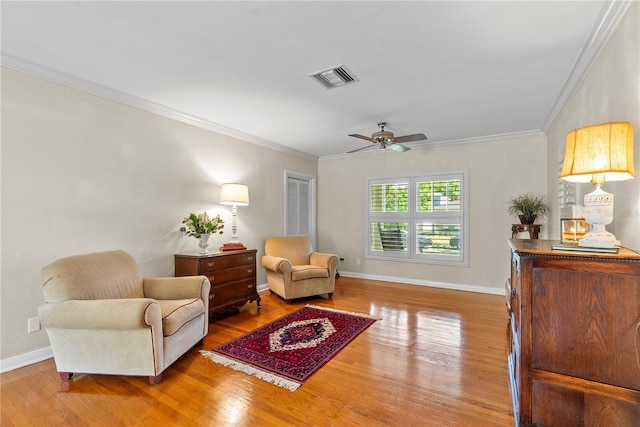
<point>249,286</point>
<point>250,258</point>
<point>249,270</point>
<point>210,263</point>
<point>212,278</point>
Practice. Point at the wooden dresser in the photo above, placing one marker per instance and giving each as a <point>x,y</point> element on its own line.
<point>232,275</point>
<point>574,320</point>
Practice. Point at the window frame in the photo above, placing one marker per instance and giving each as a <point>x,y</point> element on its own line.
<point>413,217</point>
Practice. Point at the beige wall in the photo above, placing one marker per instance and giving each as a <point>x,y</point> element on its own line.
<point>81,173</point>
<point>610,92</point>
<point>497,170</point>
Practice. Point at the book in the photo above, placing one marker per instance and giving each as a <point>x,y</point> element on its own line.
<point>575,248</point>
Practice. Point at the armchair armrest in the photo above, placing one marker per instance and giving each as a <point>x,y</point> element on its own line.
<point>131,313</point>
<point>277,264</point>
<point>324,260</point>
<point>172,288</point>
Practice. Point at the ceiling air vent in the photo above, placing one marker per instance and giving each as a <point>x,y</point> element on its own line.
<point>334,77</point>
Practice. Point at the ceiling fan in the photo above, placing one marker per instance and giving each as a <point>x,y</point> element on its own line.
<point>384,139</point>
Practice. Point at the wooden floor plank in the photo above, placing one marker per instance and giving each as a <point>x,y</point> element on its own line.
<point>436,357</point>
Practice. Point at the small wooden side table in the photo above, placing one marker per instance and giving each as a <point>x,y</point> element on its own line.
<point>532,229</point>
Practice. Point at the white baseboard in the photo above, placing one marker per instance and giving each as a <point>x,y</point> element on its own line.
<point>35,356</point>
<point>444,285</point>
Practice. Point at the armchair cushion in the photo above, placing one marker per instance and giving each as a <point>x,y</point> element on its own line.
<point>302,272</point>
<point>111,275</point>
<point>296,249</point>
<point>177,313</point>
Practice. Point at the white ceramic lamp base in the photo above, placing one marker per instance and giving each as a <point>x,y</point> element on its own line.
<point>598,211</point>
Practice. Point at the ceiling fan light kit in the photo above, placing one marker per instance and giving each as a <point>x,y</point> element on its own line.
<point>384,139</point>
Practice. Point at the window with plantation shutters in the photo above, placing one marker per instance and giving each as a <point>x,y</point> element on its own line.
<point>418,218</point>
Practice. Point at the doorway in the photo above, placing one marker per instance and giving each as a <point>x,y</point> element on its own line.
<point>300,206</point>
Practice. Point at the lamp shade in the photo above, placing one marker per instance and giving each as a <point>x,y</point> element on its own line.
<point>599,153</point>
<point>234,195</point>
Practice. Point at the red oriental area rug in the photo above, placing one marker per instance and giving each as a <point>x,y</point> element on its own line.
<point>287,351</point>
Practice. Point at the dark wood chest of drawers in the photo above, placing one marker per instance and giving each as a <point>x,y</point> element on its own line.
<point>232,275</point>
<point>574,318</point>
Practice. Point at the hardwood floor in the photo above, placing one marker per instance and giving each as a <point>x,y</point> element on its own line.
<point>436,358</point>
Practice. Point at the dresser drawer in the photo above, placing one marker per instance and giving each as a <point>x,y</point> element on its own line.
<point>232,274</point>
<point>229,292</point>
<point>561,337</point>
<point>208,265</point>
<point>577,405</point>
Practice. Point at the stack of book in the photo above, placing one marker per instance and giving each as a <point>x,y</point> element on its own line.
<point>576,248</point>
<point>232,247</point>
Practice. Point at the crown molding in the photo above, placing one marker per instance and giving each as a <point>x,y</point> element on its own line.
<point>140,103</point>
<point>537,133</point>
<point>610,16</point>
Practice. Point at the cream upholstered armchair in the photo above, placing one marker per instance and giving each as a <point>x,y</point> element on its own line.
<point>102,317</point>
<point>294,271</point>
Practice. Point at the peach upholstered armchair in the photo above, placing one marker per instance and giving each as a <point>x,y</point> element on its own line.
<point>294,271</point>
<point>102,317</point>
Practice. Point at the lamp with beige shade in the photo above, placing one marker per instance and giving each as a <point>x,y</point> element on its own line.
<point>597,154</point>
<point>234,195</point>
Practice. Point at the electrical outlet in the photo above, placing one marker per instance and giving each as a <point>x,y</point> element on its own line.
<point>357,261</point>
<point>33,324</point>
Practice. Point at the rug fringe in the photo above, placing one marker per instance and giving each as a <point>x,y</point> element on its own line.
<point>368,316</point>
<point>251,370</point>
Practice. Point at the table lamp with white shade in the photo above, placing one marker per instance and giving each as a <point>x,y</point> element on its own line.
<point>234,195</point>
<point>597,154</point>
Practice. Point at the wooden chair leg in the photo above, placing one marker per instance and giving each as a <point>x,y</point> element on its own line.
<point>64,383</point>
<point>330,295</point>
<point>155,379</point>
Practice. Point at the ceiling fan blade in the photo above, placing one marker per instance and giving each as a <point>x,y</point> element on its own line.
<point>410,138</point>
<point>355,135</point>
<point>362,148</point>
<point>398,147</point>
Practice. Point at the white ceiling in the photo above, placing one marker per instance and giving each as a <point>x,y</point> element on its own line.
<point>455,71</point>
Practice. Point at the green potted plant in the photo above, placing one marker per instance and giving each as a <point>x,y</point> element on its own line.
<point>527,207</point>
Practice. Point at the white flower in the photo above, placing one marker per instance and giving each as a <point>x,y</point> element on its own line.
<point>202,224</point>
